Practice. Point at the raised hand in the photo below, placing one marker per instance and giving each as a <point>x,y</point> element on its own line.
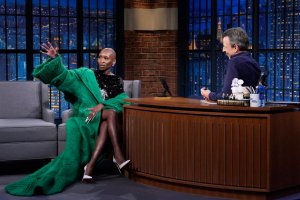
<point>49,50</point>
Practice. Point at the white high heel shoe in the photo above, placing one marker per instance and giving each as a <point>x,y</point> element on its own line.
<point>87,178</point>
<point>121,165</point>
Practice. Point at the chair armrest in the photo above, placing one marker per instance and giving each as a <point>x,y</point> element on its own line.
<point>65,115</point>
<point>48,115</point>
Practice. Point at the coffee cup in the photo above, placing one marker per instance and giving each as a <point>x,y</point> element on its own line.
<point>254,100</point>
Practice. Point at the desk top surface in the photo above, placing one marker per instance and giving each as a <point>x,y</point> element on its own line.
<point>197,104</point>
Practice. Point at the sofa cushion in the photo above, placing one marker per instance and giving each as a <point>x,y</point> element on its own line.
<point>28,150</point>
<point>25,130</point>
<point>20,99</point>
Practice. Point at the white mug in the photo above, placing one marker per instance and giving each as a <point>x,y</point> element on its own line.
<point>254,100</point>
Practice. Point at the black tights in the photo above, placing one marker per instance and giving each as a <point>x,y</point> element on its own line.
<point>108,127</point>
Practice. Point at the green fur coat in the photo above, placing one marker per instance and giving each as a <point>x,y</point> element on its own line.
<point>80,88</point>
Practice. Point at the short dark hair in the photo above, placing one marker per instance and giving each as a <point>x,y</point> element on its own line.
<point>237,36</point>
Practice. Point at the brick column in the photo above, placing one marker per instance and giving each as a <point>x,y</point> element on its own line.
<point>151,54</point>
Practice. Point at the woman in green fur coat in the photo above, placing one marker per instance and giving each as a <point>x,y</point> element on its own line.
<point>96,96</point>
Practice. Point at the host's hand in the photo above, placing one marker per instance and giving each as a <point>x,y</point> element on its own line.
<point>205,93</point>
<point>49,50</point>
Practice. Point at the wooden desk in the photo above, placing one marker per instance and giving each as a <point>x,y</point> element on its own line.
<point>226,151</point>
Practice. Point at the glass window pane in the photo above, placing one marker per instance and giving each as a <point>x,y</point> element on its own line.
<point>36,59</point>
<point>93,8</point>
<point>249,28</point>
<point>297,30</point>
<point>65,59</point>
<point>12,63</point>
<point>63,7</point>
<point>73,61</point>
<point>44,7</point>
<point>288,77</point>
<point>110,9</point>
<point>227,23</point>
<point>94,60</point>
<point>250,6</point>
<point>262,59</point>
<point>263,6</point>
<point>208,6</point>
<point>36,33</point>
<point>235,7</point>
<point>86,60</point>
<point>35,7</point>
<point>102,7</point>
<point>203,8</point>
<point>235,21</point>
<point>11,32</point>
<point>220,7</point>
<point>86,34</point>
<point>20,7</point>
<point>200,70</point>
<point>194,8</point>
<point>243,6</point>
<point>10,7</point>
<point>243,22</point>
<point>262,32</point>
<point>54,31</point>
<point>2,7</point>
<point>109,41</point>
<point>45,29</point>
<point>271,34</point>
<point>279,71</point>
<point>21,32</point>
<point>85,8</point>
<point>2,67</point>
<point>289,38</point>
<point>227,7</point>
<point>296,78</point>
<point>93,33</point>
<point>109,36</point>
<point>73,33</point>
<point>279,31</point>
<point>64,39</point>
<point>72,8</point>
<point>54,7</point>
<point>22,75</point>
<point>2,33</point>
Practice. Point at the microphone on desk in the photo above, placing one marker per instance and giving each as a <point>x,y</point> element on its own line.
<point>166,88</point>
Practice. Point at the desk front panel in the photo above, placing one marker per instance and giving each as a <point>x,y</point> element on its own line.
<point>198,148</point>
